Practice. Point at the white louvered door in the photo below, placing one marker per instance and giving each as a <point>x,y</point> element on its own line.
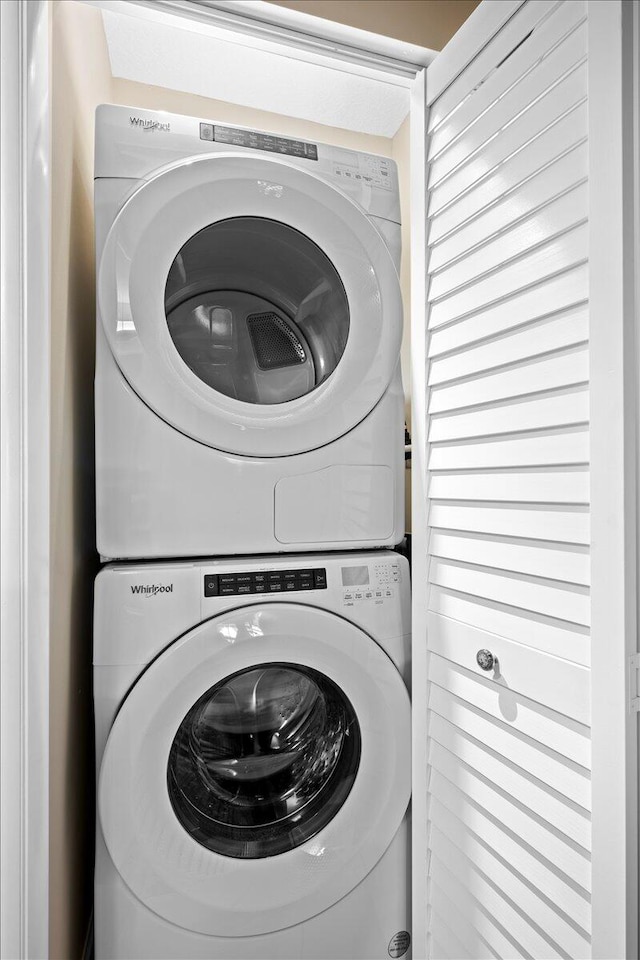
<point>508,485</point>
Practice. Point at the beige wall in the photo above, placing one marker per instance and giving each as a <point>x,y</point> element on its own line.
<point>81,80</point>
<point>427,23</point>
<point>159,98</point>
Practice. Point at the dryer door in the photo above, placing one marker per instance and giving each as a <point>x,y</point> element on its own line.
<point>257,771</point>
<point>250,304</point>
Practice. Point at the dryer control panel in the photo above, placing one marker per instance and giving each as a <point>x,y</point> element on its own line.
<point>256,140</point>
<point>135,145</point>
<point>374,582</point>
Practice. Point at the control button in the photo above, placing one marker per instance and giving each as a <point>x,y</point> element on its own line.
<point>358,596</point>
<point>290,585</point>
<point>348,596</point>
<point>305,574</point>
<point>227,578</point>
<point>388,593</point>
<point>320,579</point>
<point>244,588</point>
<point>228,589</point>
<point>275,587</point>
<point>259,588</point>
<point>275,576</point>
<point>289,575</point>
<point>368,594</point>
<point>304,585</point>
<point>259,577</point>
<point>211,585</point>
<point>206,131</point>
<point>378,593</point>
<point>244,578</point>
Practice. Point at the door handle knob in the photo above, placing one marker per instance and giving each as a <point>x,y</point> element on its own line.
<point>486,660</point>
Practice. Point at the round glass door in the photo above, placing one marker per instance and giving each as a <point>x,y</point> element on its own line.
<point>251,305</point>
<point>256,310</point>
<point>264,760</point>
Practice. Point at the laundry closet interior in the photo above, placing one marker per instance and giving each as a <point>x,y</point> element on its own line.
<point>502,432</point>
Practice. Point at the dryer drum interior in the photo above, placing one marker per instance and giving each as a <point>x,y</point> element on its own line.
<point>257,310</point>
<point>263,760</point>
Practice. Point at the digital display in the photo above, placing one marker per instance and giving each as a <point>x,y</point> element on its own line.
<point>355,576</point>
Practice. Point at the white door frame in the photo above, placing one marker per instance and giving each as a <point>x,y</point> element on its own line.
<point>24,504</point>
<point>24,438</point>
<point>613,384</point>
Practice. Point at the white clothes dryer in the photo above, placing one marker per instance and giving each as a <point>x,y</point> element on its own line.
<point>248,388</point>
<point>253,757</point>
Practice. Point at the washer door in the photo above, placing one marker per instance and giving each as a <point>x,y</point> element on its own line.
<point>251,305</point>
<point>257,771</point>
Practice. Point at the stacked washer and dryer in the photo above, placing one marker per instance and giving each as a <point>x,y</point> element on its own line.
<point>251,692</point>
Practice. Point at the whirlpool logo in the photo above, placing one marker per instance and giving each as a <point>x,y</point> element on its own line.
<point>149,124</point>
<point>152,589</point>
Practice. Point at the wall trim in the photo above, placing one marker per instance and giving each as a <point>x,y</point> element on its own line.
<point>613,173</point>
<point>24,495</point>
<point>419,516</point>
<point>300,35</point>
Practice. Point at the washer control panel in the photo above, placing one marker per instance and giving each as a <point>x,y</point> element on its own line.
<point>375,582</point>
<point>264,581</point>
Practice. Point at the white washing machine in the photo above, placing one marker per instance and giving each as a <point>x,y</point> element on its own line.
<point>248,388</point>
<point>253,752</point>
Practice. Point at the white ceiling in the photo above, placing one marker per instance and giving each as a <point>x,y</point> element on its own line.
<point>223,67</point>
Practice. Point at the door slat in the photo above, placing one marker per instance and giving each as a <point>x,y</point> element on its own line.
<point>534,486</point>
<point>561,601</point>
<point>545,336</point>
<point>562,407</point>
<point>537,375</point>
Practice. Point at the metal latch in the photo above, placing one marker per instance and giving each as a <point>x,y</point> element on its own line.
<point>634,683</point>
